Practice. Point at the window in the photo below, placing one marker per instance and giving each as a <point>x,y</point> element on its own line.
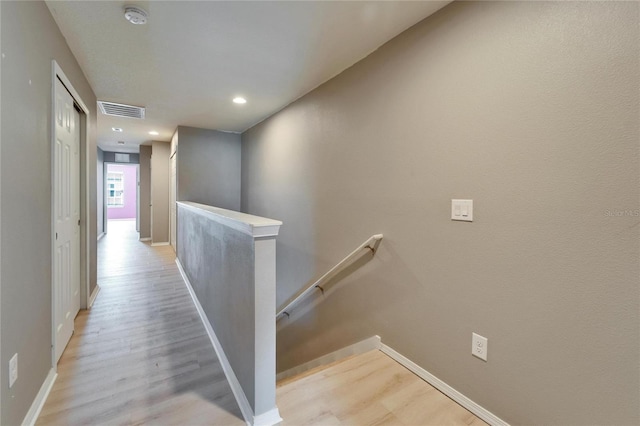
<point>115,189</point>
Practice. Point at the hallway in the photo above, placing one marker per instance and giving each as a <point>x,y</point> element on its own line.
<point>141,354</point>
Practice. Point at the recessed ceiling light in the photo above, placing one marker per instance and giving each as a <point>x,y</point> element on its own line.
<point>117,129</point>
<point>239,100</point>
<point>120,142</point>
<point>136,15</point>
<point>154,133</point>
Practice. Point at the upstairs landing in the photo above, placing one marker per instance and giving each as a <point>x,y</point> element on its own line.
<point>366,389</point>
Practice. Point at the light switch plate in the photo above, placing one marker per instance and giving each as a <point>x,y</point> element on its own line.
<point>462,210</point>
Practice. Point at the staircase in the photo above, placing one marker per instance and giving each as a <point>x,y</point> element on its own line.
<point>366,389</point>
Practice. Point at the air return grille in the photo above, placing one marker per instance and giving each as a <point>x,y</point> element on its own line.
<point>121,110</point>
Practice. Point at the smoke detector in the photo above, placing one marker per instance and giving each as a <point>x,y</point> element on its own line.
<point>136,15</point>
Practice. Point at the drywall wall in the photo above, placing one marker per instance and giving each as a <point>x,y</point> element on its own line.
<point>159,192</point>
<point>215,257</point>
<point>30,39</point>
<point>229,259</point>
<point>145,192</point>
<point>531,110</point>
<point>209,167</point>
<point>100,191</point>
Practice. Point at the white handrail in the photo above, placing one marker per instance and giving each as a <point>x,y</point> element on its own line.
<point>372,244</point>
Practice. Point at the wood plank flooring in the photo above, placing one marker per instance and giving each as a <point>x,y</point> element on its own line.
<point>367,389</point>
<point>141,354</point>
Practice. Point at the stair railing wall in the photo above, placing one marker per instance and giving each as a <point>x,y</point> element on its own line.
<point>228,261</point>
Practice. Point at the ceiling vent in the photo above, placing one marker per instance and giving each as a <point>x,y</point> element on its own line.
<point>121,110</point>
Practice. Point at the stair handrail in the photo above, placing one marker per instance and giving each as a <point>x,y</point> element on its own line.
<point>372,244</point>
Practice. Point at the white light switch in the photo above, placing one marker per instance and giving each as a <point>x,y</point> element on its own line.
<point>462,210</point>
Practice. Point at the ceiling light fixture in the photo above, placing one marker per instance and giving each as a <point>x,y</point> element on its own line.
<point>117,129</point>
<point>239,100</point>
<point>136,15</point>
<point>154,133</point>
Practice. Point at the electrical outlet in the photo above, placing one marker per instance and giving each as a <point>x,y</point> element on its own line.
<point>13,369</point>
<point>479,346</point>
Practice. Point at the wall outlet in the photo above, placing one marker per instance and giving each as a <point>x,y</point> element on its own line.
<point>479,346</point>
<point>13,369</point>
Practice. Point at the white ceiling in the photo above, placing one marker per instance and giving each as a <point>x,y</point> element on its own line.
<point>192,57</point>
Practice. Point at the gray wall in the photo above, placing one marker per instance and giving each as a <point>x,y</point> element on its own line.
<point>229,259</point>
<point>100,191</point>
<point>30,40</point>
<point>531,110</point>
<point>215,256</point>
<point>145,191</point>
<point>209,167</point>
<point>160,192</point>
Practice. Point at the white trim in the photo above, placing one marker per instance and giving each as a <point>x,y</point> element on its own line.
<point>366,345</point>
<point>85,275</point>
<point>455,395</point>
<point>159,244</point>
<point>34,411</point>
<point>144,239</point>
<point>255,226</point>
<point>270,418</point>
<point>93,296</point>
<point>67,83</point>
<point>238,393</point>
<point>102,234</point>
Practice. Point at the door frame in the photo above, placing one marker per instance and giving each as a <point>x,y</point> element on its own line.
<point>104,192</point>
<point>173,197</point>
<point>57,73</point>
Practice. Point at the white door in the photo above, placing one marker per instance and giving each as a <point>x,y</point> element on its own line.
<point>66,194</point>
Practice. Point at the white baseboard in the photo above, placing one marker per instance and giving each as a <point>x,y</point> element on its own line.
<point>360,347</point>
<point>269,418</point>
<point>458,397</point>
<point>102,234</point>
<point>144,239</point>
<point>41,398</point>
<point>159,244</point>
<point>93,296</point>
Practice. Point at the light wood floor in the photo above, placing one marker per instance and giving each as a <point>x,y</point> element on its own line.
<point>141,354</point>
<point>367,389</point>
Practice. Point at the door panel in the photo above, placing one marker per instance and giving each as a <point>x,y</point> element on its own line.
<point>67,218</point>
